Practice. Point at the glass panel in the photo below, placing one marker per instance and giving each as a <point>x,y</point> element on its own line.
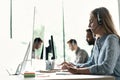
<point>48,21</point>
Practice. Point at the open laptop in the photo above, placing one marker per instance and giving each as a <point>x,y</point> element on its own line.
<point>17,69</point>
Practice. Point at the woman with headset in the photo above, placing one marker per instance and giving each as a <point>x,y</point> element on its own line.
<point>106,51</point>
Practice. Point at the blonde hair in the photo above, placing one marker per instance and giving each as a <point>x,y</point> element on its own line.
<point>106,20</point>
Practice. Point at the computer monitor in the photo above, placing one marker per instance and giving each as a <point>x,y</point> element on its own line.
<point>50,49</point>
<point>42,52</point>
<point>22,65</point>
<point>18,63</point>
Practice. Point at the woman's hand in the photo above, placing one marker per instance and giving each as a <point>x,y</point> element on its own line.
<point>65,66</point>
<point>64,63</point>
<point>79,70</point>
<point>74,70</point>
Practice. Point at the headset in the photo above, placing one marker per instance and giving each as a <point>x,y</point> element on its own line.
<point>37,40</point>
<point>99,18</point>
<point>73,43</point>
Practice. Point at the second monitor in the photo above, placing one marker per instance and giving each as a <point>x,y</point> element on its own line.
<point>50,50</point>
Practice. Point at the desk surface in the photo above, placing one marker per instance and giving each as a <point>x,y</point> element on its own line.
<point>53,76</point>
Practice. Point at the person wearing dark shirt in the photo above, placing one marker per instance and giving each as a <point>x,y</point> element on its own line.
<point>90,38</point>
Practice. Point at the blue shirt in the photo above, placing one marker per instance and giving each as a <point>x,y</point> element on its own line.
<point>106,56</point>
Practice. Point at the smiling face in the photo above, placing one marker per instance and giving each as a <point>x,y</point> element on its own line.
<point>93,24</point>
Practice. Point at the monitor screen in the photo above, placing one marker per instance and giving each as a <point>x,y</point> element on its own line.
<point>19,55</point>
<point>22,65</point>
<point>52,47</point>
<point>50,50</point>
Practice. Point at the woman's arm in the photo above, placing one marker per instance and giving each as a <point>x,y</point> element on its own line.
<point>79,70</point>
<point>106,62</point>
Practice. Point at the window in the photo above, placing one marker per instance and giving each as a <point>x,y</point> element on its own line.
<point>47,18</point>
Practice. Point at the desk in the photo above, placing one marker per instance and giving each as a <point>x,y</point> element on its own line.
<point>53,76</point>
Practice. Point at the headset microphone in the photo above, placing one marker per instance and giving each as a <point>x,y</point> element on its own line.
<point>94,28</point>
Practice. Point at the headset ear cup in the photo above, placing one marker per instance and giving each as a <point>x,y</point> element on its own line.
<point>73,43</point>
<point>99,19</point>
<point>100,22</point>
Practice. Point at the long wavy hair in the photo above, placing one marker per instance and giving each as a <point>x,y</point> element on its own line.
<point>106,20</point>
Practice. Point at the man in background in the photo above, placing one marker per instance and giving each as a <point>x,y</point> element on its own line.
<point>81,54</point>
<point>90,38</point>
<point>36,45</point>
